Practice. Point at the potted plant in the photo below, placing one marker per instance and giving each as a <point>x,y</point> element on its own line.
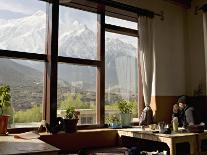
<point>113,121</point>
<point>125,108</point>
<point>4,103</point>
<point>71,119</point>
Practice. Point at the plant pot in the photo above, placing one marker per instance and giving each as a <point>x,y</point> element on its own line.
<point>70,125</point>
<point>115,125</point>
<point>126,120</point>
<point>3,124</point>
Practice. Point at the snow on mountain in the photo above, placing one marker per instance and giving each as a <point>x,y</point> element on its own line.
<point>27,34</point>
<point>75,39</point>
<point>24,34</point>
<point>80,43</point>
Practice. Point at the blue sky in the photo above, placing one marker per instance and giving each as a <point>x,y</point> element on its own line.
<point>19,8</point>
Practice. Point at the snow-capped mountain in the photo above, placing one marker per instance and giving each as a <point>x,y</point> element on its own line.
<point>24,34</point>
<point>27,34</point>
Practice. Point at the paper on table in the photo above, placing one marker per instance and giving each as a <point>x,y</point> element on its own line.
<point>27,135</point>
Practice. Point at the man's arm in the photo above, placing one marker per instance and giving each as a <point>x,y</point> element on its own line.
<point>189,113</point>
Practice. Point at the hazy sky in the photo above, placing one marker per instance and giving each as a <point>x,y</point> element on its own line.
<point>26,7</point>
<point>19,8</point>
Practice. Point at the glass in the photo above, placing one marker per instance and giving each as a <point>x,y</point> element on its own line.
<point>25,79</point>
<point>77,33</point>
<point>121,22</point>
<point>77,88</point>
<point>22,25</point>
<point>121,81</point>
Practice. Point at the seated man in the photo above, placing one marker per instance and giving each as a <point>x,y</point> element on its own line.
<point>189,116</point>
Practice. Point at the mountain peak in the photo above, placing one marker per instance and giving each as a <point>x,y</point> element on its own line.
<point>76,23</point>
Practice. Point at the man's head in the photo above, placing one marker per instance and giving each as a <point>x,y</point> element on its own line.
<point>175,108</point>
<point>182,102</point>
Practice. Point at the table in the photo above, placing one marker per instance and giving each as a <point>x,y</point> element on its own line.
<point>10,145</point>
<point>170,139</point>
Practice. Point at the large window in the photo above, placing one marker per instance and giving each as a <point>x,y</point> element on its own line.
<point>31,72</point>
<point>121,72</point>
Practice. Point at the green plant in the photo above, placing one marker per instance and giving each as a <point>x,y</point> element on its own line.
<point>71,113</point>
<point>113,119</point>
<point>125,106</point>
<point>4,97</point>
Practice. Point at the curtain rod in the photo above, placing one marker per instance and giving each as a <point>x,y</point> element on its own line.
<point>204,8</point>
<point>139,11</point>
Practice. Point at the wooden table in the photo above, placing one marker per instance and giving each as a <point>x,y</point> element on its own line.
<point>170,139</point>
<point>11,146</point>
<point>202,143</point>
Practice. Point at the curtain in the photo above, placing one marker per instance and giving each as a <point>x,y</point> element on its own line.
<point>146,56</point>
<point>205,36</point>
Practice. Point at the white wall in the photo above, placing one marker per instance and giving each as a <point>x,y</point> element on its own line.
<point>170,46</point>
<point>195,64</point>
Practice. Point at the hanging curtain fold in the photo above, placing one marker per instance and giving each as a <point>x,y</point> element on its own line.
<point>205,33</point>
<point>146,58</point>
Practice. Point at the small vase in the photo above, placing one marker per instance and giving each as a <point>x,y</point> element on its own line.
<point>126,120</point>
<point>3,124</point>
<point>70,125</point>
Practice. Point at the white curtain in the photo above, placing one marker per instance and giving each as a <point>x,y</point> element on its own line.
<point>205,38</point>
<point>146,55</point>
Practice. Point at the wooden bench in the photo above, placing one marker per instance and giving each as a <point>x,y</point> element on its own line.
<point>72,143</point>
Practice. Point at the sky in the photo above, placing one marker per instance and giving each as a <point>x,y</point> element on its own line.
<point>10,9</point>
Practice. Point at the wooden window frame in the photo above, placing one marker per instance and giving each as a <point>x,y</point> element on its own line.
<point>52,60</point>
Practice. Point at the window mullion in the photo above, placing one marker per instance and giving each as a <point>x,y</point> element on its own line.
<point>100,95</point>
<point>50,111</point>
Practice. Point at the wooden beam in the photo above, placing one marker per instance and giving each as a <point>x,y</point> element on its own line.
<point>22,55</point>
<point>51,66</point>
<point>100,77</point>
<point>121,30</point>
<point>78,61</point>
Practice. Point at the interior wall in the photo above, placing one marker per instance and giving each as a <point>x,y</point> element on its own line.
<point>195,53</point>
<point>169,46</point>
<point>170,75</point>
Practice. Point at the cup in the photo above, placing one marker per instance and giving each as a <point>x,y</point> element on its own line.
<point>161,127</point>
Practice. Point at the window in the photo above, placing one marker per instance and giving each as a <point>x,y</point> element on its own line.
<point>25,79</point>
<point>121,72</point>
<point>77,87</point>
<point>77,33</point>
<point>23,25</point>
<point>23,29</point>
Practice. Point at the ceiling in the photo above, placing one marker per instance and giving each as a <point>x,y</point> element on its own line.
<point>184,3</point>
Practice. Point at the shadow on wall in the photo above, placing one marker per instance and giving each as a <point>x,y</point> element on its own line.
<point>162,107</point>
